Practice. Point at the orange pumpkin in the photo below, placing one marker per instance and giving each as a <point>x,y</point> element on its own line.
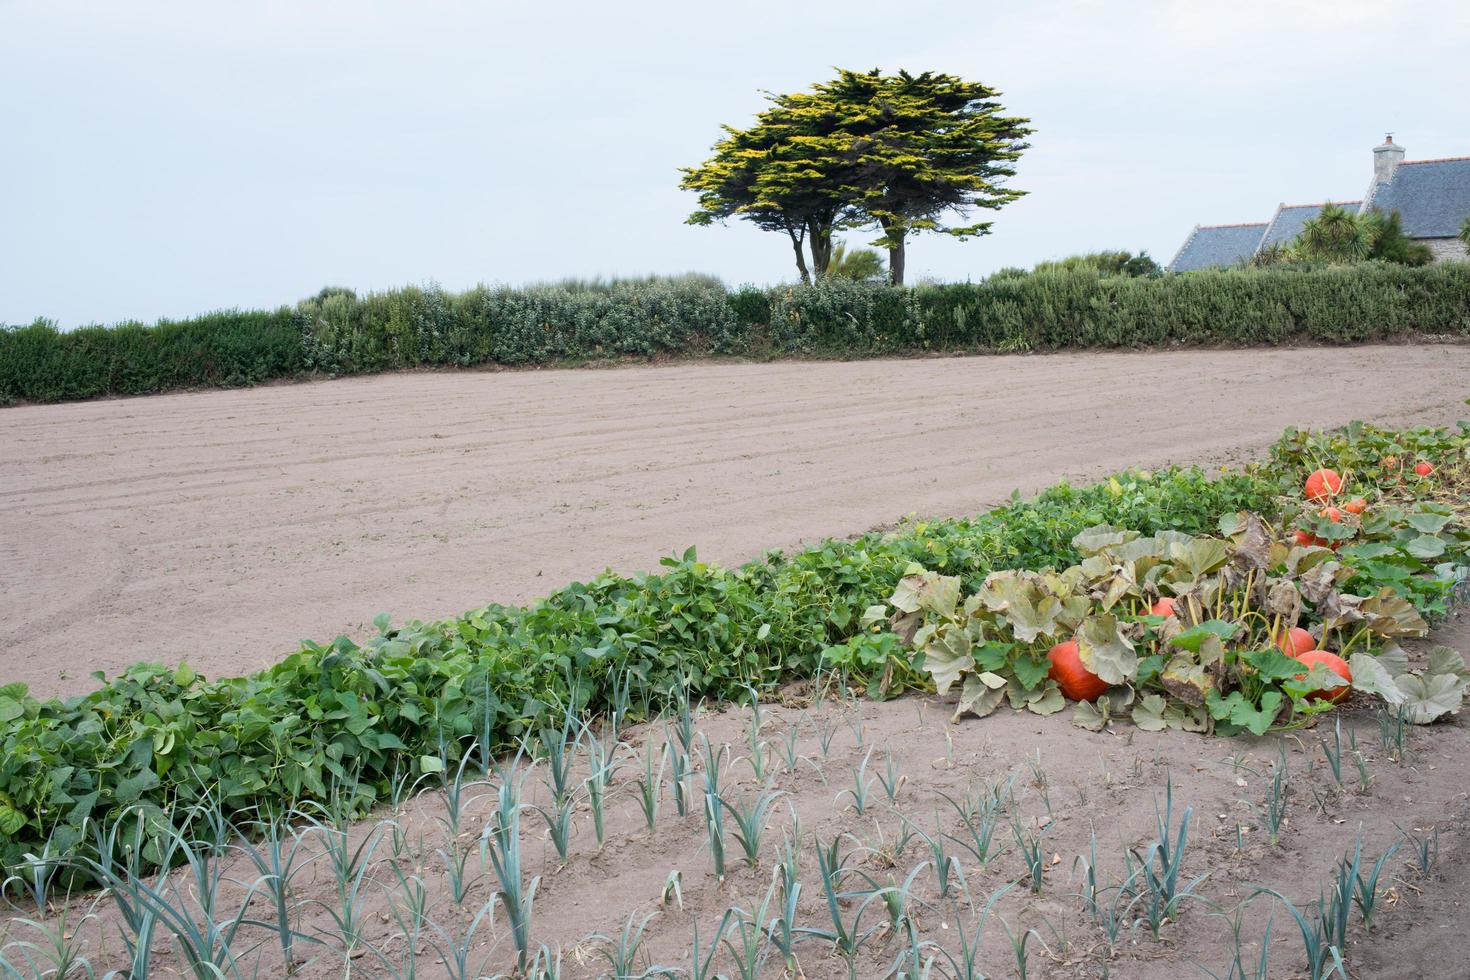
<point>1355,506</point>
<point>1323,485</point>
<point>1295,641</point>
<point>1333,663</point>
<point>1164,607</point>
<point>1075,680</point>
<point>1331,513</point>
<point>1423,468</point>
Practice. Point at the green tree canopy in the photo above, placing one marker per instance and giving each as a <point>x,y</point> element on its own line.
<point>901,151</point>
<point>780,175</point>
<point>918,148</point>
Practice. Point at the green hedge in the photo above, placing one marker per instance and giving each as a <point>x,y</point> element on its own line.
<point>337,332</point>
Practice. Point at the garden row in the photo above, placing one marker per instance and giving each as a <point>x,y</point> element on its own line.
<point>337,332</point>
<point>415,699</point>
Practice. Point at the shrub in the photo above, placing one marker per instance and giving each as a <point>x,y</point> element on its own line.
<point>1069,306</point>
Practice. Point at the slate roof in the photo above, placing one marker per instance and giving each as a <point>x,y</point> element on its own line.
<point>1289,219</point>
<point>1432,196</point>
<point>1211,245</point>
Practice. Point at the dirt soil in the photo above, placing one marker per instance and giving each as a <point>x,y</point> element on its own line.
<point>1083,798</point>
<point>222,527</point>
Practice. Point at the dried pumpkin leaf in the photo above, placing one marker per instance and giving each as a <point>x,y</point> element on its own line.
<point>947,657</point>
<point>1105,651</point>
<point>981,695</point>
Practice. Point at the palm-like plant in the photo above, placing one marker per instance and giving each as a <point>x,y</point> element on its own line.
<point>860,263</point>
<point>1336,235</point>
<point>1465,233</point>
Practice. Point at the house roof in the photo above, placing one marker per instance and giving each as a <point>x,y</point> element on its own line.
<point>1289,220</point>
<point>1210,245</point>
<point>1431,196</point>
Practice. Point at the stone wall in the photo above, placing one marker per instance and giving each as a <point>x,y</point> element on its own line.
<point>1445,249</point>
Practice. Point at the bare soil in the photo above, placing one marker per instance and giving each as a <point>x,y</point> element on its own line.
<point>224,527</point>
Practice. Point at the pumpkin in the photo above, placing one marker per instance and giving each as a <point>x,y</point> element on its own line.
<point>1164,607</point>
<point>1355,506</point>
<point>1075,680</point>
<point>1307,539</point>
<point>1323,485</point>
<point>1331,513</point>
<point>1333,663</point>
<point>1423,468</point>
<point>1295,641</point>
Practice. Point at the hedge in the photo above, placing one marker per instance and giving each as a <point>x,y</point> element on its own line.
<point>337,332</point>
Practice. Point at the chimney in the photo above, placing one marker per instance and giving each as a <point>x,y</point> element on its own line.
<point>1385,159</point>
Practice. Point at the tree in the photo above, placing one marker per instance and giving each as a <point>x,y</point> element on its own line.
<point>1339,236</point>
<point>1465,234</point>
<point>779,174</point>
<point>915,148</point>
<point>900,151</point>
<point>861,263</point>
<point>1390,244</point>
<point>1334,235</point>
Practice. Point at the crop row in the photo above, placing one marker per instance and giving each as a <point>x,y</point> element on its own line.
<point>402,703</point>
<point>337,332</point>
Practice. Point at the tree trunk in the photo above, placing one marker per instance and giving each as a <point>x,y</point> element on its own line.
<point>895,260</point>
<point>800,256</point>
<point>821,242</point>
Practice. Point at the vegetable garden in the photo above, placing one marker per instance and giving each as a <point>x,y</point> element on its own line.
<point>1243,655</point>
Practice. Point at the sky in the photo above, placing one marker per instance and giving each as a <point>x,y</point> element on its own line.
<point>162,158</point>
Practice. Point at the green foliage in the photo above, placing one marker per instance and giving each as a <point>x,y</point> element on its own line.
<point>42,364</point>
<point>1106,264</point>
<point>862,264</point>
<point>1335,235</point>
<point>899,150</point>
<point>1465,233</point>
<point>1339,236</point>
<point>338,332</point>
<point>413,699</point>
<point>911,149</point>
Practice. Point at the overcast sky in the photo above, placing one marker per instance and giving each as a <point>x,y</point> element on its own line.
<point>166,158</point>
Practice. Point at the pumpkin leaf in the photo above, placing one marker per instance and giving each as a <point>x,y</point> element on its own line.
<point>1426,546</point>
<point>1186,680</point>
<point>1427,523</point>
<point>1148,713</point>
<point>1431,697</point>
<point>947,657</point>
<point>1372,676</point>
<point>1105,651</point>
<point>1029,670</point>
<point>1049,703</point>
<point>1087,715</point>
<point>1193,639</point>
<point>1444,660</point>
<point>981,695</point>
<point>1390,614</point>
<point>1095,539</point>
<point>1273,665</point>
<point>1239,710</point>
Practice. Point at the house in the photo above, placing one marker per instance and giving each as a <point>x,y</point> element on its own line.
<point>1432,198</point>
